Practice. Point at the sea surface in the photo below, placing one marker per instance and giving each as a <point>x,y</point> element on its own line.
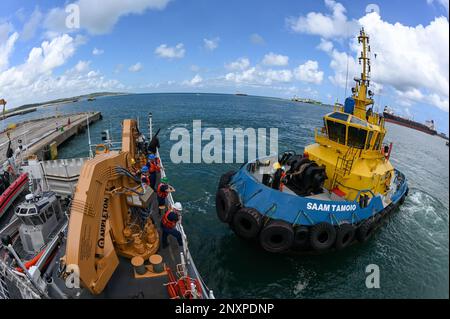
<point>412,250</point>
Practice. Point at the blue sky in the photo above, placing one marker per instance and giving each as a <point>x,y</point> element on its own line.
<point>272,48</point>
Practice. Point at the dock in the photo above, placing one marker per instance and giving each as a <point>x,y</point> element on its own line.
<point>37,136</point>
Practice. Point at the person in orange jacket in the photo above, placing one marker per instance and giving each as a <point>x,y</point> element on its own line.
<point>168,224</point>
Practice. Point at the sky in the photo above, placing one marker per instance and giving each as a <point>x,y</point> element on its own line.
<point>53,49</point>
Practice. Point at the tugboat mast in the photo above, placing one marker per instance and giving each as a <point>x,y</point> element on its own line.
<point>360,91</point>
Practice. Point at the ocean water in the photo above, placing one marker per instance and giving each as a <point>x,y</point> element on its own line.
<point>411,250</point>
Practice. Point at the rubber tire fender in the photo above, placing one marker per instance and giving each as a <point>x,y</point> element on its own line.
<point>365,231</point>
<point>247,223</point>
<point>225,179</point>
<point>317,233</point>
<point>344,236</point>
<point>277,236</point>
<point>227,203</point>
<point>301,237</point>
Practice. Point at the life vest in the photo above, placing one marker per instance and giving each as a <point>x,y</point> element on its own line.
<point>166,222</point>
<point>153,167</point>
<point>160,193</point>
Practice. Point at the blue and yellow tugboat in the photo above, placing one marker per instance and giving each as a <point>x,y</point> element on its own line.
<point>335,193</point>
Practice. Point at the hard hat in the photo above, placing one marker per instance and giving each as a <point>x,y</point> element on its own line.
<point>276,165</point>
<point>151,156</point>
<point>283,168</point>
<point>177,206</point>
<point>164,180</point>
<point>133,161</point>
<point>144,169</point>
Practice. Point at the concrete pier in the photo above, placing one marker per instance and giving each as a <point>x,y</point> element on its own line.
<point>36,135</point>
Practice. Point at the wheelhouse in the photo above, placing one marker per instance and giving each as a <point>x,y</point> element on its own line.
<point>349,130</point>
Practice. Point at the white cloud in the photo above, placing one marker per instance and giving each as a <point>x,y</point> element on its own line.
<point>255,38</point>
<point>176,52</point>
<point>41,61</point>
<point>328,26</point>
<point>5,29</point>
<point>443,3</point>
<point>34,80</point>
<point>278,75</point>
<point>258,76</point>
<point>82,66</point>
<point>135,67</point>
<point>30,27</point>
<point>325,45</point>
<point>100,16</point>
<point>309,72</point>
<point>211,44</point>
<point>275,59</point>
<point>97,51</point>
<point>6,50</point>
<point>411,59</point>
<point>195,81</point>
<point>340,63</point>
<point>239,64</point>
<point>408,58</point>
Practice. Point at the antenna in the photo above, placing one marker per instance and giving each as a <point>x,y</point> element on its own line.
<point>346,80</point>
<point>150,126</point>
<point>89,136</point>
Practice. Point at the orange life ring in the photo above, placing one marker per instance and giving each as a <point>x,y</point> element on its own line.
<point>101,149</point>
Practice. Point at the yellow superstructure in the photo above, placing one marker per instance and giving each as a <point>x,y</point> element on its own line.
<point>350,144</point>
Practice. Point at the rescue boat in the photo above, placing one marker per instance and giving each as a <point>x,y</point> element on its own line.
<point>337,192</point>
<point>12,191</point>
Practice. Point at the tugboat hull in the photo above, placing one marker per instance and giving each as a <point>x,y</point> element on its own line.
<point>283,222</point>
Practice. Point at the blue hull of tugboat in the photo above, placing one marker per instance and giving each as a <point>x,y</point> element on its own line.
<point>297,210</point>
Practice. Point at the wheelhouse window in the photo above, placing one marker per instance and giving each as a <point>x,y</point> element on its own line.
<point>356,137</point>
<point>369,139</point>
<point>336,131</point>
<point>378,142</point>
<point>50,212</point>
<point>339,116</point>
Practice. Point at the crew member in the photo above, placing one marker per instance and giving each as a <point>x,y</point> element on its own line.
<point>283,179</point>
<point>154,144</point>
<point>145,180</point>
<point>153,169</point>
<point>163,191</point>
<point>279,176</point>
<point>133,168</point>
<point>168,223</point>
<point>141,143</point>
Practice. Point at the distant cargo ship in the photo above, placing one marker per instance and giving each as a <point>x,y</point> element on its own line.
<point>428,127</point>
<point>303,100</point>
<point>241,94</point>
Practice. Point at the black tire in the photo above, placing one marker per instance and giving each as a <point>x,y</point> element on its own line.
<point>377,218</point>
<point>345,235</point>
<point>227,203</point>
<point>301,237</point>
<point>322,236</point>
<point>247,223</point>
<point>277,236</point>
<point>225,179</point>
<point>365,231</point>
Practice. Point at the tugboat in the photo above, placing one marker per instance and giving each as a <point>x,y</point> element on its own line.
<point>336,193</point>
